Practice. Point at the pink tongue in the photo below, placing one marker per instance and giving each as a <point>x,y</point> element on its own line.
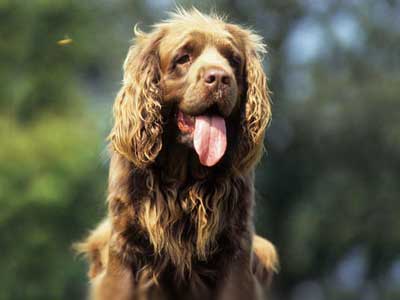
<point>209,139</point>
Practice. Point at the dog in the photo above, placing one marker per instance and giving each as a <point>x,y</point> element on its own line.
<point>188,132</point>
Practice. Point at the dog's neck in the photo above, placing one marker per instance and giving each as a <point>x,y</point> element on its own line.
<point>180,163</point>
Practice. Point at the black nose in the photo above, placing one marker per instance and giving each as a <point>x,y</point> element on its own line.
<point>214,77</point>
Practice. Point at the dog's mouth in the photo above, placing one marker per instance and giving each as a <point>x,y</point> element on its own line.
<point>206,133</point>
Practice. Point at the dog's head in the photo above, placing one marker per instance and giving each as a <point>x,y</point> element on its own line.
<point>201,79</point>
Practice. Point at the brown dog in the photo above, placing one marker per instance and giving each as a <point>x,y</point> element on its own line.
<point>189,127</point>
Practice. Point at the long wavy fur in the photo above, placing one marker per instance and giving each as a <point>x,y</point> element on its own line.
<point>181,225</point>
<point>137,110</point>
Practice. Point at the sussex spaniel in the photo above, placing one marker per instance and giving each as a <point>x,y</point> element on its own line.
<point>189,127</point>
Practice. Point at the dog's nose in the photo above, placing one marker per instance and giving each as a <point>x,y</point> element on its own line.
<point>214,77</point>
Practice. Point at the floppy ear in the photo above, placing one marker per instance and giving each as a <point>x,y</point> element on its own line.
<point>138,127</point>
<point>256,108</point>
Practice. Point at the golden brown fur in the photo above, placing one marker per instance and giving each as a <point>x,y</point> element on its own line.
<point>176,228</point>
<point>96,248</point>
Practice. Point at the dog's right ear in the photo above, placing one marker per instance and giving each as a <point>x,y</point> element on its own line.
<point>137,131</point>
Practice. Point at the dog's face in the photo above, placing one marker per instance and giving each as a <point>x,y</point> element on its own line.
<point>210,74</point>
<point>201,70</point>
<point>202,74</point>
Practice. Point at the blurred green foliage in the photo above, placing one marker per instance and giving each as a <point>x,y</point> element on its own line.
<point>328,188</point>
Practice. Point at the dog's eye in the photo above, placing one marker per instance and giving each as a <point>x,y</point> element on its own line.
<point>235,61</point>
<point>183,59</point>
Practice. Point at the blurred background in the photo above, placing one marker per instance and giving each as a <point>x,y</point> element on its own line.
<point>328,189</point>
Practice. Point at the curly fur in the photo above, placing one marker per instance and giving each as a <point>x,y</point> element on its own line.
<point>137,110</point>
<point>169,216</point>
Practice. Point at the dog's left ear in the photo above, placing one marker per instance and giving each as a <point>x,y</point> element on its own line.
<point>137,131</point>
<point>256,107</point>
